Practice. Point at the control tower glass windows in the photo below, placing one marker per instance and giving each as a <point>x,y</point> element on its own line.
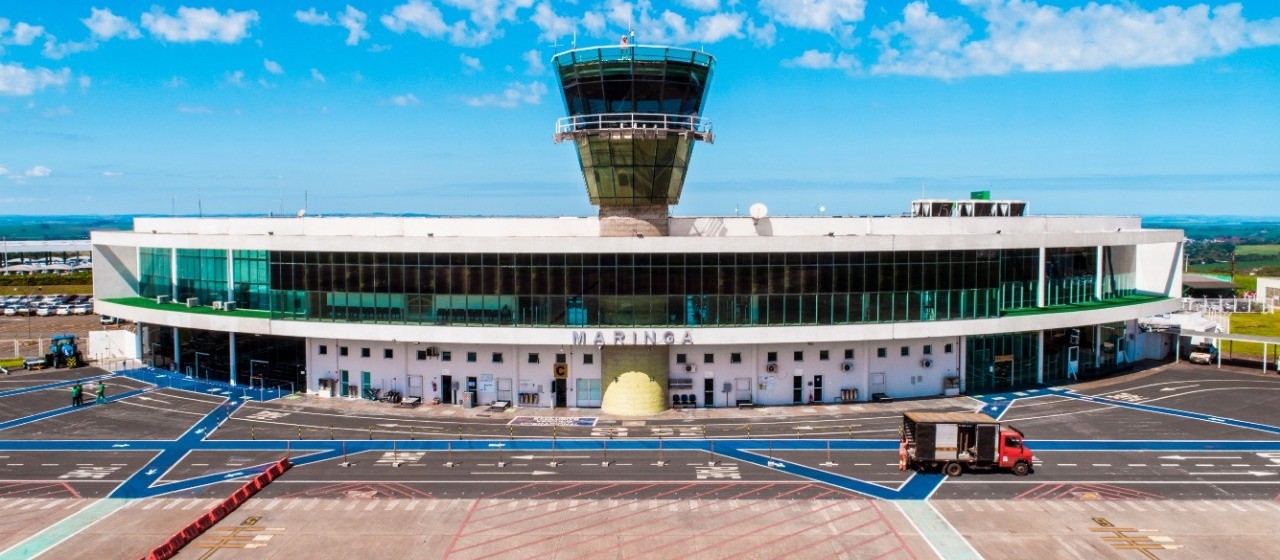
<point>155,272</point>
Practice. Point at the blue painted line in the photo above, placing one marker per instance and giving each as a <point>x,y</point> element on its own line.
<point>64,410</point>
<point>172,380</point>
<point>1175,412</point>
<point>139,485</point>
<point>53,385</point>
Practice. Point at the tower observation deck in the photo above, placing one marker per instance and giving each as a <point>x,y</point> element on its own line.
<point>634,113</point>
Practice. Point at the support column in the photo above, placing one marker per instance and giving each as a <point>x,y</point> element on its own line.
<point>964,370</point>
<point>1040,281</point>
<point>1177,347</point>
<point>1097,346</point>
<point>1040,358</point>
<point>177,352</point>
<point>173,277</point>
<point>232,355</point>
<point>1097,279</point>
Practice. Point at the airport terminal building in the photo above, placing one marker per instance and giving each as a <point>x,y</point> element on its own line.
<point>634,310</point>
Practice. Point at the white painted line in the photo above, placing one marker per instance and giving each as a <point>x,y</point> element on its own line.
<point>1137,464</point>
<point>1170,464</point>
<point>1066,464</point>
<point>1102,464</point>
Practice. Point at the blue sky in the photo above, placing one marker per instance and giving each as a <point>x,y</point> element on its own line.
<point>447,106</point>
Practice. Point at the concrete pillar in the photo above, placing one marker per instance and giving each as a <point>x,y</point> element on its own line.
<point>173,277</point>
<point>1040,282</point>
<point>1040,358</point>
<point>1097,346</point>
<point>1097,280</point>
<point>232,352</point>
<point>231,271</point>
<point>177,352</point>
<point>960,349</point>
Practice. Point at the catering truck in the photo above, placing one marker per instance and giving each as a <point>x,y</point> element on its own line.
<point>955,441</point>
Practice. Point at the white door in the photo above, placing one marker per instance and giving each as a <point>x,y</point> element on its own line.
<point>413,387</point>
<point>877,383</point>
<point>742,389</point>
<point>504,389</point>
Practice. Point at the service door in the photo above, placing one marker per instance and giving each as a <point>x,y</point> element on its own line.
<point>504,389</point>
<point>877,383</point>
<point>988,440</point>
<point>413,387</point>
<point>945,448</point>
<point>742,388</point>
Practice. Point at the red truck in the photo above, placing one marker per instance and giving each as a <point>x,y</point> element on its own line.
<point>954,441</point>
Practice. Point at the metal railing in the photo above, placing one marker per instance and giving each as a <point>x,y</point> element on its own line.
<point>1226,305</point>
<point>623,121</point>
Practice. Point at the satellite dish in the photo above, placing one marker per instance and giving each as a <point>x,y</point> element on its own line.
<point>758,211</point>
<point>302,212</point>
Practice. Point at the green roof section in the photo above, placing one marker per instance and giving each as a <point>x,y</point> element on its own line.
<point>1136,299</point>
<point>148,303</point>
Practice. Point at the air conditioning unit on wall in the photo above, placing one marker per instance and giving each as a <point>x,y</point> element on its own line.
<point>690,368</point>
<point>771,367</point>
<point>927,362</point>
<point>847,366</point>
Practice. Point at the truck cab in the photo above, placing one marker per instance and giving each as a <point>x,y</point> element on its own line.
<point>1013,451</point>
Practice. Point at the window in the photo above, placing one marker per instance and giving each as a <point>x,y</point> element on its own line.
<point>471,356</point>
<point>881,352</point>
<point>928,349</point>
<point>342,350</point>
<point>708,358</point>
<point>446,356</point>
<point>365,353</point>
<point>947,349</point>
<point>324,349</point>
<point>681,358</point>
<point>561,359</point>
<point>798,355</point>
<point>497,357</point>
<point>1012,441</point>
<point>533,358</point>
<point>771,357</point>
<point>387,353</point>
<point>588,359</point>
<point>422,355</point>
<point>848,353</point>
<point>735,358</point>
<point>824,355</point>
<point>905,351</point>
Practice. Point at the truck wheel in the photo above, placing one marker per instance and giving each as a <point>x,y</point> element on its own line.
<point>952,469</point>
<point>1021,468</point>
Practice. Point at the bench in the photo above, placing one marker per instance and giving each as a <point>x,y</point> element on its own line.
<point>745,403</point>
<point>410,403</point>
<point>881,397</point>
<point>499,406</point>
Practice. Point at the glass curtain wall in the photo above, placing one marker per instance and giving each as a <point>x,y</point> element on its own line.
<point>277,361</point>
<point>155,272</point>
<point>213,349</point>
<point>251,279</point>
<point>1070,275</point>
<point>1001,362</point>
<point>1117,272</point>
<point>1064,346</point>
<point>202,274</point>
<point>157,345</point>
<point>698,289</point>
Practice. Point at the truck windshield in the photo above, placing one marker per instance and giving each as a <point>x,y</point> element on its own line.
<point>1012,442</point>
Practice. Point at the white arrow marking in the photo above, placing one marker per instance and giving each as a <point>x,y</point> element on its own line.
<point>151,472</point>
<point>200,431</point>
<point>233,475</point>
<point>557,457</point>
<point>534,473</point>
<point>497,445</point>
<point>1254,473</point>
<point>119,445</point>
<point>1197,457</point>
<point>1167,389</point>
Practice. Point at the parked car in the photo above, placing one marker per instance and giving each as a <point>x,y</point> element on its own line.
<point>11,309</point>
<point>44,310</point>
<point>82,309</point>
<point>63,310</point>
<point>108,320</point>
<point>1204,353</point>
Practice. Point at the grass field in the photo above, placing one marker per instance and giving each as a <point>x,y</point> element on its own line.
<point>57,289</point>
<point>1263,324</point>
<point>1271,250</point>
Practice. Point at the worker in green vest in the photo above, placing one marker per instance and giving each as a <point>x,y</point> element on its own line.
<point>102,394</point>
<point>77,392</point>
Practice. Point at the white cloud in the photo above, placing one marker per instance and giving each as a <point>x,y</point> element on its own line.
<point>57,51</point>
<point>533,58</point>
<point>420,17</point>
<point>312,17</point>
<point>192,25</point>
<point>272,66</point>
<point>765,35</point>
<point>814,59</point>
<point>4,171</point>
<point>104,25</point>
<point>235,78</point>
<point>194,110</point>
<point>377,48</point>
<point>1024,36</point>
<point>669,27</point>
<point>514,95</point>
<point>37,171</point>
<point>175,82</point>
<point>354,21</point>
<point>405,100</point>
<point>480,28</point>
<point>24,34</point>
<point>552,25</point>
<point>19,81</point>
<point>470,64</point>
<point>830,16</point>
<point>701,5</point>
<point>112,174</point>
<point>594,23</point>
<point>84,82</point>
<point>317,76</point>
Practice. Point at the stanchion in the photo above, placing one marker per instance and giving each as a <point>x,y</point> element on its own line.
<point>604,461</point>
<point>253,432</point>
<point>370,431</point>
<point>704,432</point>
<point>501,463</point>
<point>829,463</point>
<point>330,433</point>
<point>412,435</point>
<point>395,454</point>
<point>610,432</point>
<point>772,463</point>
<point>712,462</point>
<point>511,432</point>
<point>850,432</point>
<point>299,433</point>
<point>450,462</point>
<point>554,462</point>
<point>345,463</point>
<point>459,433</point>
<point>797,432</point>
<point>662,462</point>
<point>748,431</point>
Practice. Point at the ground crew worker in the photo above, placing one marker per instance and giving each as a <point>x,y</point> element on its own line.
<point>902,455</point>
<point>102,394</point>
<point>76,394</point>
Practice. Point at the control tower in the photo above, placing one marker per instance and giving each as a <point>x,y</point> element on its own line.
<point>634,113</point>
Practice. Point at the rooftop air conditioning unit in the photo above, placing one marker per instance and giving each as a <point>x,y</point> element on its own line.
<point>927,362</point>
<point>690,368</point>
<point>771,367</point>
<point>162,300</point>
<point>228,306</point>
<point>193,302</point>
<point>847,366</point>
<point>217,305</point>
<point>432,352</point>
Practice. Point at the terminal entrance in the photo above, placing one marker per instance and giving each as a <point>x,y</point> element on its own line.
<point>560,388</point>
<point>446,389</point>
